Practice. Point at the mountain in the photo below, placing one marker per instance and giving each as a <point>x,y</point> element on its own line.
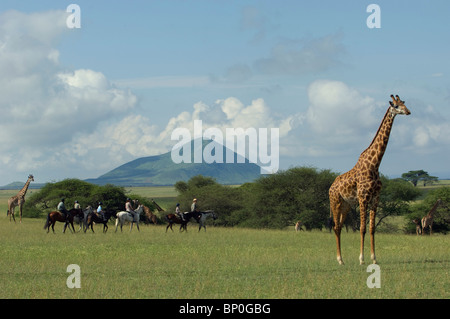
<point>161,170</point>
<point>19,185</point>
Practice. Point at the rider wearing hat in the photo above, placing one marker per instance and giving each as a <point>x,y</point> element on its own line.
<point>100,211</point>
<point>178,212</point>
<point>129,208</point>
<point>62,208</point>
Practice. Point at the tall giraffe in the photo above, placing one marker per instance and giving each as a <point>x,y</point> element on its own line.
<point>19,199</point>
<point>427,221</point>
<point>362,185</point>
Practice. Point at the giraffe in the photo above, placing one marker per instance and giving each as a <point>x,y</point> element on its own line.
<point>19,199</point>
<point>427,221</point>
<point>362,185</point>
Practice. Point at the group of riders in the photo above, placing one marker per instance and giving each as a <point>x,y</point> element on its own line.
<point>128,208</point>
<point>100,212</point>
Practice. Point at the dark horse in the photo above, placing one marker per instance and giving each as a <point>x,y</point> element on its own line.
<point>94,218</point>
<point>57,216</point>
<point>174,219</point>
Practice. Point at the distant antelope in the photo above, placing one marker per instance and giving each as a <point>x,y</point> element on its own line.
<point>298,226</point>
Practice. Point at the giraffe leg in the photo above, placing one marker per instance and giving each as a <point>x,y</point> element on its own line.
<point>339,209</point>
<point>11,212</point>
<point>362,208</point>
<point>20,213</point>
<point>372,235</point>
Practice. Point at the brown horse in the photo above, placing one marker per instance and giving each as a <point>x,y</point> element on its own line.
<point>57,216</point>
<point>94,218</point>
<point>174,219</point>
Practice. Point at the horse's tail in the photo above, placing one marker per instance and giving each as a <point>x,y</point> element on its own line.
<point>47,222</point>
<point>166,217</point>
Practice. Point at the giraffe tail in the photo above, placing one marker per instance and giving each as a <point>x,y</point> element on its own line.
<point>7,212</point>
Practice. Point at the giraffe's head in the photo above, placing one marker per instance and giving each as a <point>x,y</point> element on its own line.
<point>398,106</point>
<point>31,177</point>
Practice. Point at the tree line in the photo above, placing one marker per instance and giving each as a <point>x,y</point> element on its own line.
<point>272,201</point>
<point>301,193</point>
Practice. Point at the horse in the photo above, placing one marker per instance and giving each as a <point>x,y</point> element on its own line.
<point>57,216</point>
<point>82,220</point>
<point>94,218</point>
<point>175,219</point>
<point>202,219</point>
<point>123,217</point>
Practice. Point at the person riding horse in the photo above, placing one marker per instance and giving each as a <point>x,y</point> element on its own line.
<point>100,212</point>
<point>62,209</point>
<point>178,212</point>
<point>129,208</point>
<point>194,210</point>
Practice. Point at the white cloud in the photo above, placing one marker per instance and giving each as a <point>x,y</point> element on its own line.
<point>336,108</point>
<point>43,104</point>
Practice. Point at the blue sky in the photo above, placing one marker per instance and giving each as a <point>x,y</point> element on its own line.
<point>114,90</point>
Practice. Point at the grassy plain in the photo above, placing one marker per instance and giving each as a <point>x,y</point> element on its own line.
<point>218,263</point>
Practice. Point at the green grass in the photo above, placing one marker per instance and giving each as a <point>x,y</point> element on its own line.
<point>218,263</point>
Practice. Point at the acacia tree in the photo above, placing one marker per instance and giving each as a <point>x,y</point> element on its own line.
<point>420,175</point>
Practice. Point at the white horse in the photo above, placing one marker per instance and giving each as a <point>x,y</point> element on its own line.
<point>123,217</point>
<point>83,221</point>
<point>202,220</point>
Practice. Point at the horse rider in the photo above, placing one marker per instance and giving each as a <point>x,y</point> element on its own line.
<point>195,210</point>
<point>129,208</point>
<point>178,212</point>
<point>100,211</point>
<point>77,205</point>
<point>62,208</point>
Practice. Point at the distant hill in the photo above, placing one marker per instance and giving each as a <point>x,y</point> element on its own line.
<point>160,170</point>
<point>19,185</point>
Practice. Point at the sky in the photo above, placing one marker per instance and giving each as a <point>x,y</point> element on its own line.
<point>78,102</point>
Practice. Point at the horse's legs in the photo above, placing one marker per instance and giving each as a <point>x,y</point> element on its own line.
<point>73,228</point>
<point>137,225</point>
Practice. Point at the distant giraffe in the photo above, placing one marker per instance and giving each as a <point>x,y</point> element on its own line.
<point>18,200</point>
<point>427,221</point>
<point>362,185</point>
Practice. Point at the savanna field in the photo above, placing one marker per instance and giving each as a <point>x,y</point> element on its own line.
<point>219,263</point>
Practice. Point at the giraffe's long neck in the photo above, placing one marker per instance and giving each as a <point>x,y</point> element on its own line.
<point>24,189</point>
<point>374,153</point>
<point>431,212</point>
